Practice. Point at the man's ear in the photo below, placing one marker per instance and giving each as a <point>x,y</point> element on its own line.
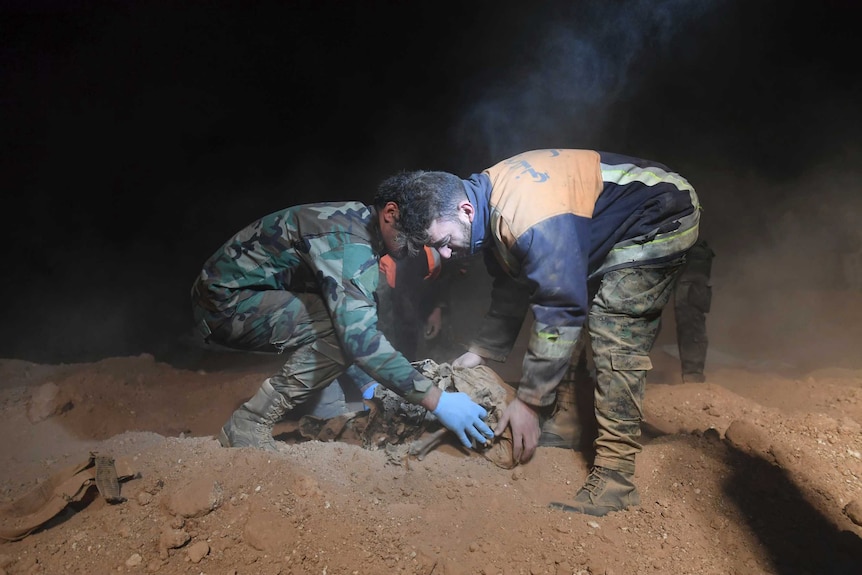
<point>391,213</point>
<point>466,207</point>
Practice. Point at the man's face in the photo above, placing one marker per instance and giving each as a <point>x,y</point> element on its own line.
<point>452,238</point>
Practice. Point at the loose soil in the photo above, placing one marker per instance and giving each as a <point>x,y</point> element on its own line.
<point>759,470</point>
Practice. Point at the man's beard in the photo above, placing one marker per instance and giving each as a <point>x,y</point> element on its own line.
<point>467,230</point>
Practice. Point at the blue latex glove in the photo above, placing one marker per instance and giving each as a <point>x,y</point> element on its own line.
<point>368,393</point>
<point>463,416</point>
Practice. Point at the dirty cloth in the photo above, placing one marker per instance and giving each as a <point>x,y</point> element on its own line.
<point>392,424</point>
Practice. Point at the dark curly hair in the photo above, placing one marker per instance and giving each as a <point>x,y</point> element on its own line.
<point>422,197</point>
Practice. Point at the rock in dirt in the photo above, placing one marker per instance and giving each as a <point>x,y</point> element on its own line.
<point>195,499</point>
<point>47,401</point>
<point>749,439</point>
<point>172,539</point>
<point>853,510</point>
<point>197,551</point>
<point>269,531</point>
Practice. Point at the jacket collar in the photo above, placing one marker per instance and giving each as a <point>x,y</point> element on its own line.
<point>478,188</point>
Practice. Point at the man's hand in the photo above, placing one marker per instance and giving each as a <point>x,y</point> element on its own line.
<point>469,359</point>
<point>525,429</point>
<point>434,323</point>
<point>461,415</point>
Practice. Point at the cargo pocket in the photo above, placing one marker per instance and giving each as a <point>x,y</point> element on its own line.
<point>624,395</point>
<point>630,362</point>
<point>313,366</point>
<point>329,349</point>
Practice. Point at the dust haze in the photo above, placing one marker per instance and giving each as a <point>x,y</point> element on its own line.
<point>144,138</point>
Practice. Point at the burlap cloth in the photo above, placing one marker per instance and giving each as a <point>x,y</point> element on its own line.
<point>390,423</point>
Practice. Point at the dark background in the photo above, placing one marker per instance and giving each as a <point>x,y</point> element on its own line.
<point>138,136</point>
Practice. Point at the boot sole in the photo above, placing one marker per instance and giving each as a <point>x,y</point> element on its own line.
<point>225,442</point>
<point>592,510</point>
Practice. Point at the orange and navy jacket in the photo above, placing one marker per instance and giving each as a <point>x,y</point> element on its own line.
<point>553,221</point>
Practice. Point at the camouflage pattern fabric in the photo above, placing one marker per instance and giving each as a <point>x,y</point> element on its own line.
<point>623,323</point>
<point>305,277</point>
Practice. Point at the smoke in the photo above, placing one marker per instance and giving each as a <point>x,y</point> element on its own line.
<point>787,277</point>
<point>704,86</point>
<point>797,233</point>
<point>571,70</point>
<point>145,138</point>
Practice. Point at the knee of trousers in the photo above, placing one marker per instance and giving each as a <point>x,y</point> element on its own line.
<point>306,372</point>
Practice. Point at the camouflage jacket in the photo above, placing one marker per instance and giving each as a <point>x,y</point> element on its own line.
<point>331,249</point>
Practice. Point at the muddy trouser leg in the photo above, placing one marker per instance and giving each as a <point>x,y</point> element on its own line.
<point>565,426</point>
<point>623,323</point>
<point>299,326</point>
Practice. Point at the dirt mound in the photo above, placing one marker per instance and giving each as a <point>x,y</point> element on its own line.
<point>751,473</point>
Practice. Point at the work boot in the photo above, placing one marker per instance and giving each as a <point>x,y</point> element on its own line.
<point>251,424</point>
<point>605,490</point>
<point>563,427</point>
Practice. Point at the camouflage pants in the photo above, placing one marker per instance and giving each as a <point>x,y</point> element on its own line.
<point>273,321</point>
<point>624,320</point>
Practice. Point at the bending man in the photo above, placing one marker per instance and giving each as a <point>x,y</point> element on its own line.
<point>301,281</point>
<point>580,238</point>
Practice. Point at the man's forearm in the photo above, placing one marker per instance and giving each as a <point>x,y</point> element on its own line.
<point>432,398</point>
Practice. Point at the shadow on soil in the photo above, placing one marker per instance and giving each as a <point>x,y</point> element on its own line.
<point>799,539</point>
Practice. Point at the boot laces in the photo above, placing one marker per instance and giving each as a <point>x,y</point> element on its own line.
<point>594,481</point>
<point>263,434</point>
<point>275,413</point>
